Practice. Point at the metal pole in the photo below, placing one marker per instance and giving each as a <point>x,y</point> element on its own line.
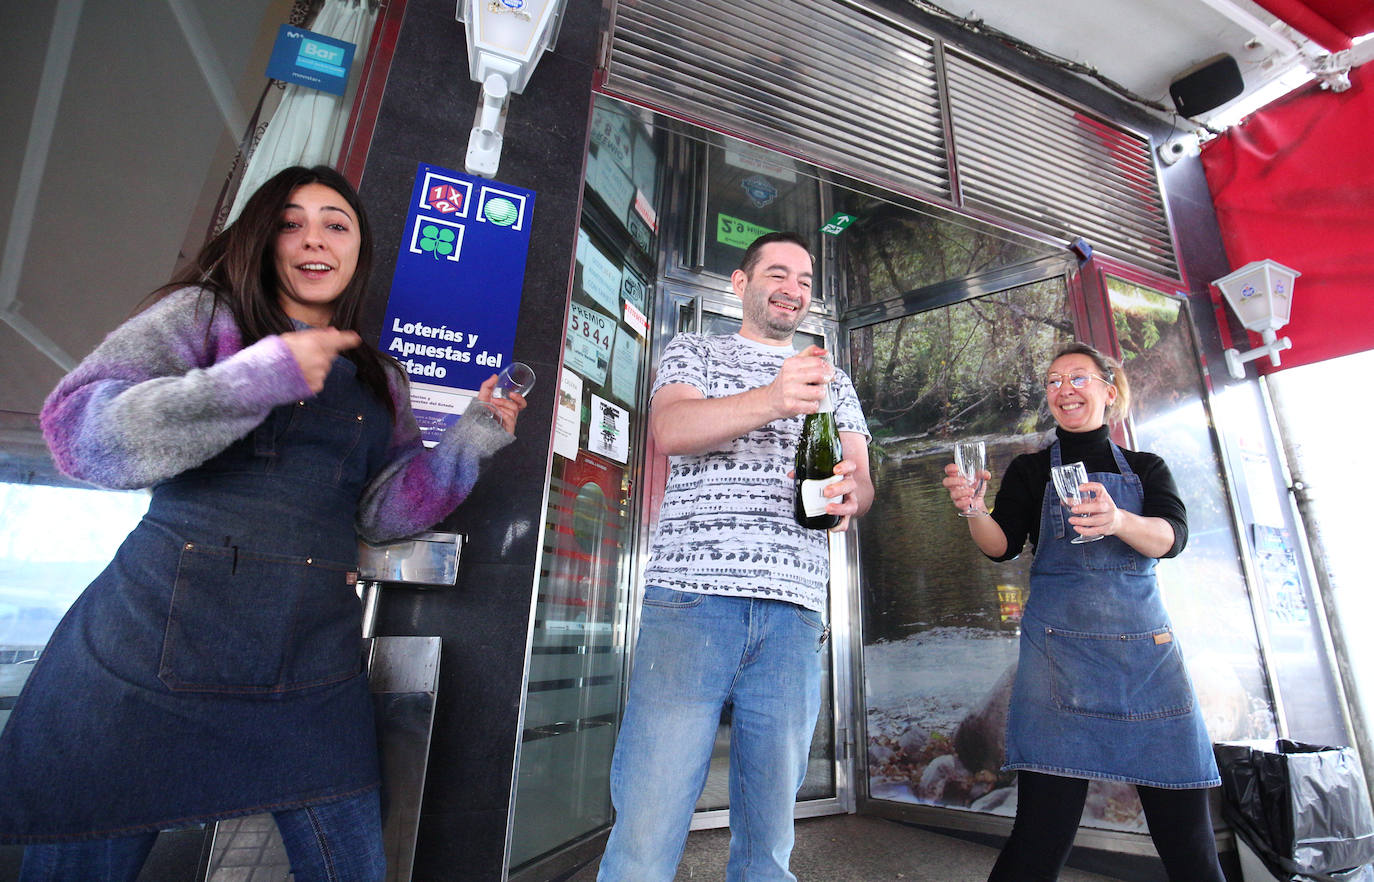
<point>1325,610</point>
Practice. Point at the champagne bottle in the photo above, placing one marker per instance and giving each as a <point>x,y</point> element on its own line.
<point>818,450</point>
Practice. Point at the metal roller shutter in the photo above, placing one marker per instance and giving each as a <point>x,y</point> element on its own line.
<point>856,90</point>
<point>830,81</point>
<point>1024,154</point>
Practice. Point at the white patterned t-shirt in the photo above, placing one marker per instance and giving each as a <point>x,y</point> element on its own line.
<point>726,526</point>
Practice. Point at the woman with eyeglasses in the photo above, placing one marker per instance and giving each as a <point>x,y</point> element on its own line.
<point>1100,690</point>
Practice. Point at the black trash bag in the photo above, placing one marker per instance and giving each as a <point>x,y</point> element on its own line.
<point>1302,808</point>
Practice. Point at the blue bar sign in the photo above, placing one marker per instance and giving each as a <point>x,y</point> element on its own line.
<point>310,59</point>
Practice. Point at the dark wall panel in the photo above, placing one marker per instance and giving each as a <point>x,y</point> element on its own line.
<point>425,116</point>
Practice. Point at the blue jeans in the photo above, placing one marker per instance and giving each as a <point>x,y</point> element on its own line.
<point>696,653</point>
<point>336,842</point>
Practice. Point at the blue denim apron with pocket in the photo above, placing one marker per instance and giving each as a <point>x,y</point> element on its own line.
<point>214,667</point>
<point>1100,689</point>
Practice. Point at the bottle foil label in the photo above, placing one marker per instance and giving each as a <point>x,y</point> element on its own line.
<point>813,503</point>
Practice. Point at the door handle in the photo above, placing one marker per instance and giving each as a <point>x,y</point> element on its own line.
<point>686,314</point>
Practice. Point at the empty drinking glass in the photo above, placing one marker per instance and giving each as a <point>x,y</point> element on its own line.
<point>516,377</point>
<point>971,458</point>
<point>1068,479</point>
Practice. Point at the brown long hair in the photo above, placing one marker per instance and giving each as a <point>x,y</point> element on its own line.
<point>238,268</point>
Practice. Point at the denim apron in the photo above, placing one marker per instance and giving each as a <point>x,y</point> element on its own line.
<point>1100,688</point>
<point>214,667</point>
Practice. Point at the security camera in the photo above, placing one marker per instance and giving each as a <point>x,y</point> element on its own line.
<point>1174,149</point>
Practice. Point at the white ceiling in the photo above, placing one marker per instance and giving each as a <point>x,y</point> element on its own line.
<point>118,124</point>
<point>1144,45</point>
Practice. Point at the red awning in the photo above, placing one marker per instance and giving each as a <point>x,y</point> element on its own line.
<point>1295,183</point>
<point>1332,24</point>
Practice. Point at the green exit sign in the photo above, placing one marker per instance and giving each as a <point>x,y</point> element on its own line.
<point>837,223</point>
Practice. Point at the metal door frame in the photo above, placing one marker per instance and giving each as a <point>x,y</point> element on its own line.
<point>678,300</point>
<point>685,293</point>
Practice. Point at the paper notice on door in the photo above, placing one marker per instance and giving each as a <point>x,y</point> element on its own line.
<point>624,365</point>
<point>568,424</point>
<point>608,431</point>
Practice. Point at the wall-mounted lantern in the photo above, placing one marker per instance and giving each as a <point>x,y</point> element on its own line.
<point>505,41</point>
<point>1261,295</point>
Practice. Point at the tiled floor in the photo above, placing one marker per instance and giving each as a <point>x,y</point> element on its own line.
<point>248,849</point>
<point>853,848</point>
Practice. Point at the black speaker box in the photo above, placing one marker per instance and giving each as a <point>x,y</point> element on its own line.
<point>1211,85</point>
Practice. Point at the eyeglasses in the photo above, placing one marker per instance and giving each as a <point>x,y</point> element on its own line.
<point>1078,381</point>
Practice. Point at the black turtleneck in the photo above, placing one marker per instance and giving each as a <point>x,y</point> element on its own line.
<point>1017,507</point>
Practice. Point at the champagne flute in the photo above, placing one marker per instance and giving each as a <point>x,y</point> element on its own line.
<point>1068,479</point>
<point>971,458</point>
<point>515,377</point>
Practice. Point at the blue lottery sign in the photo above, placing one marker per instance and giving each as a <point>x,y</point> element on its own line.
<point>455,294</point>
<point>310,59</point>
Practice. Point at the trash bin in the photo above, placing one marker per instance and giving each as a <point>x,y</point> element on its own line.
<point>1302,809</point>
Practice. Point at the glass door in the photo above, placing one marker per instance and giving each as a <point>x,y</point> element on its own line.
<point>1208,600</point>
<point>725,194</point>
<point>577,659</point>
<point>940,623</point>
<point>709,311</point>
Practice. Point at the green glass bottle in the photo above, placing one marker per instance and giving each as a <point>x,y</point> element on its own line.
<point>818,450</point>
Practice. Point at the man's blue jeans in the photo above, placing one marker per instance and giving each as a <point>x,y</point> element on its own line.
<point>697,652</point>
<point>335,842</point>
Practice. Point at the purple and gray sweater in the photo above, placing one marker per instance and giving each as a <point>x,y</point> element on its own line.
<point>160,396</point>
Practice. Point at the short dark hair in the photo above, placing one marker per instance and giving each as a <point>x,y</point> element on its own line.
<point>751,254</point>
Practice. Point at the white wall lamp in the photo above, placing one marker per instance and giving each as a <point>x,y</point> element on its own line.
<point>506,39</point>
<point>1261,295</point>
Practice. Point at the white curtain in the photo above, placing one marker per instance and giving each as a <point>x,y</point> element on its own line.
<point>308,125</point>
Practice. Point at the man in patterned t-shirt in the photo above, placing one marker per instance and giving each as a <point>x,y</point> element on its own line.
<point>735,596</point>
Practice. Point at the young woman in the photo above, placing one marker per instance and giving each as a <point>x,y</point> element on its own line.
<point>214,668</point>
<point>1100,688</point>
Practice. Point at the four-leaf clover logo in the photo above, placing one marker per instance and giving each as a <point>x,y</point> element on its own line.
<point>437,240</point>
